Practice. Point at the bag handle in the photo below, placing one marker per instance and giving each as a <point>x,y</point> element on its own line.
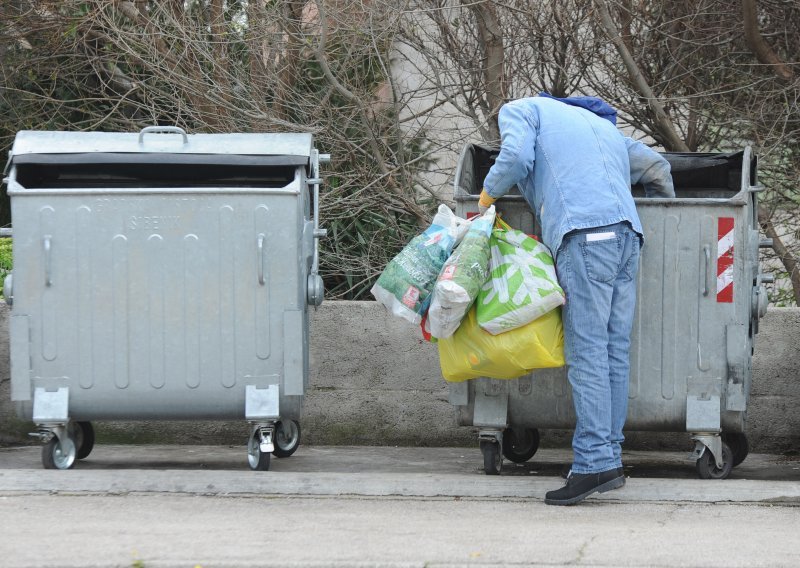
<point>503,226</point>
<point>500,224</point>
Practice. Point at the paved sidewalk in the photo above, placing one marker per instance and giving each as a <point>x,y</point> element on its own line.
<point>187,506</point>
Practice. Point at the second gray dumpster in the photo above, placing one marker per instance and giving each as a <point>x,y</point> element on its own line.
<point>160,275</point>
<point>700,296</point>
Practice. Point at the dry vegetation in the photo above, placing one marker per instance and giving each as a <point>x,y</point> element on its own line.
<point>394,88</point>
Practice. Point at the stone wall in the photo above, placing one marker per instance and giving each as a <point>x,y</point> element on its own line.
<point>374,381</point>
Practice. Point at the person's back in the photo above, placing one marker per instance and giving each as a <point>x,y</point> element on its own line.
<point>571,165</point>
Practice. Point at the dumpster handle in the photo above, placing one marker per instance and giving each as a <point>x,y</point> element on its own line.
<point>163,130</point>
<point>316,181</point>
<point>707,254</point>
<point>315,288</point>
<point>261,258</point>
<point>48,276</point>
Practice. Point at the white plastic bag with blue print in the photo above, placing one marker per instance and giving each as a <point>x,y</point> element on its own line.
<point>406,284</point>
<point>462,277</point>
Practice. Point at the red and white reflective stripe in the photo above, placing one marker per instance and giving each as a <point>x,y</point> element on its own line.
<point>725,227</point>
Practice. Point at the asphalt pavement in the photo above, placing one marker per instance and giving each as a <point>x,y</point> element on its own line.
<point>175,506</point>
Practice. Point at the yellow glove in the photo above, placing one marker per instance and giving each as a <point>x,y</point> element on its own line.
<point>485,202</point>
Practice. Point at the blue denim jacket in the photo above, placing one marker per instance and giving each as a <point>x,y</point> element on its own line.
<point>574,168</point>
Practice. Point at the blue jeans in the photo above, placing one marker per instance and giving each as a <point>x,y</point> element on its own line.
<point>597,270</point>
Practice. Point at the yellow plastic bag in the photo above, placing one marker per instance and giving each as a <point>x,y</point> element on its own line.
<point>472,352</point>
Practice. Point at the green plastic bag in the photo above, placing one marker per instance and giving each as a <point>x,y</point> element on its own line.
<point>406,284</point>
<point>523,284</point>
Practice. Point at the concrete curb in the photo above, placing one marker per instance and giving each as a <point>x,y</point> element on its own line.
<point>234,483</point>
<point>366,472</point>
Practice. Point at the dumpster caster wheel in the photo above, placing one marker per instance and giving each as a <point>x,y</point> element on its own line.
<point>707,467</point>
<point>287,438</point>
<point>519,444</point>
<point>739,446</point>
<point>82,434</point>
<point>58,454</point>
<point>258,460</point>
<point>492,457</point>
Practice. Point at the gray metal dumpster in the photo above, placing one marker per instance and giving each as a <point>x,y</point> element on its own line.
<point>700,296</point>
<point>159,275</point>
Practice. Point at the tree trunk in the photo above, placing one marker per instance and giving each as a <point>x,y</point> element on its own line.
<point>293,12</point>
<point>491,40</point>
<point>758,45</point>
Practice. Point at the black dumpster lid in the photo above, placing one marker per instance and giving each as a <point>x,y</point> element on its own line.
<point>705,170</point>
<point>689,169</point>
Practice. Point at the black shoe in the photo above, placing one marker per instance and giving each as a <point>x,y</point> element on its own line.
<point>567,469</point>
<point>580,485</point>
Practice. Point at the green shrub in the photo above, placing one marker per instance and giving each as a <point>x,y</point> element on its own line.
<point>6,260</point>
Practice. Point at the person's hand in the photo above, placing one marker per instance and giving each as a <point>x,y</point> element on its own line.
<point>485,201</point>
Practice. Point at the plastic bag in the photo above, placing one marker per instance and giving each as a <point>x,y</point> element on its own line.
<point>461,278</point>
<point>523,284</point>
<point>472,352</point>
<point>406,284</point>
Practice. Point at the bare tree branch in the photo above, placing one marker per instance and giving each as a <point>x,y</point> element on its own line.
<point>786,257</point>
<point>397,88</point>
<point>665,127</point>
<point>319,52</point>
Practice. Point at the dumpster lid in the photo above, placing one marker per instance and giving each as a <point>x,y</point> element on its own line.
<point>702,171</point>
<point>175,147</point>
